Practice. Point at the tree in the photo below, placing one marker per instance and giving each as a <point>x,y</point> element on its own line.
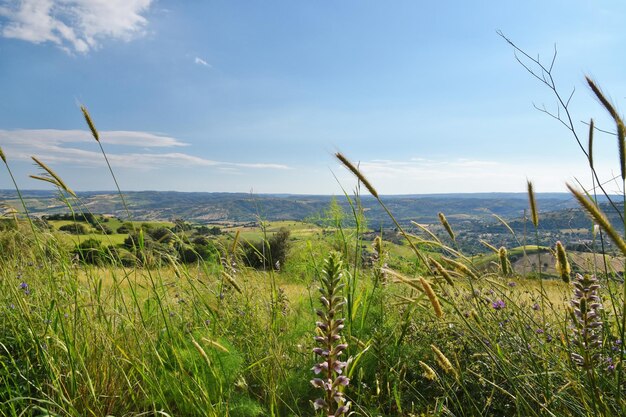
<point>270,253</point>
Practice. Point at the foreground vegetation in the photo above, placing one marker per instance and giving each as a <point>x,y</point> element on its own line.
<point>171,321</point>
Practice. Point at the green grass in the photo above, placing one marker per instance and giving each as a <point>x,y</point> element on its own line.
<point>424,329</point>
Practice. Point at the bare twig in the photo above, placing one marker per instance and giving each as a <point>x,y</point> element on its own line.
<point>566,120</point>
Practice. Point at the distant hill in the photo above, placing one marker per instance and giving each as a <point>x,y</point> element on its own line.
<point>240,207</point>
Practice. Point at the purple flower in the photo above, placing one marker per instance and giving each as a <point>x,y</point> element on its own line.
<point>512,284</point>
<point>498,305</point>
<point>536,307</point>
<point>330,347</point>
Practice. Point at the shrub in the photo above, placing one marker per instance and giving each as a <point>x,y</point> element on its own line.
<point>92,252</point>
<point>74,228</point>
<point>270,253</point>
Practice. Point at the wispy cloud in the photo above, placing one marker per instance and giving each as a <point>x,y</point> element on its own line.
<point>422,175</point>
<point>37,137</point>
<point>202,62</point>
<point>68,147</point>
<point>73,25</point>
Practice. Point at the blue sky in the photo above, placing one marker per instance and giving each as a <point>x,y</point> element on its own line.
<point>256,96</point>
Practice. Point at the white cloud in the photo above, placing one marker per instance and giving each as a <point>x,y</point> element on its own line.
<point>420,175</point>
<point>41,137</point>
<point>62,146</point>
<point>201,61</point>
<point>73,25</point>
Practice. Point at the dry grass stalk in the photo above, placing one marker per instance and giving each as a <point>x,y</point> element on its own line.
<point>216,345</point>
<point>621,129</point>
<point>4,158</point>
<point>429,373</point>
<point>599,217</point>
<point>446,225</point>
<point>504,223</point>
<point>92,127</point>
<point>356,172</point>
<point>233,248</point>
<point>401,278</point>
<point>443,361</point>
<point>602,98</point>
<point>504,261</point>
<point>590,143</point>
<point>461,267</point>
<point>621,132</point>
<point>489,246</point>
<point>442,271</point>
<point>425,229</point>
<point>201,351</point>
<point>533,205</point>
<point>432,297</point>
<point>231,281</point>
<point>53,176</point>
<point>562,264</point>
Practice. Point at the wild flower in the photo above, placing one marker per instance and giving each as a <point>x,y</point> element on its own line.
<point>330,369</point>
<point>587,323</point>
<point>498,305</point>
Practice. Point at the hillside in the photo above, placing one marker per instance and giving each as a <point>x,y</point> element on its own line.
<point>240,207</point>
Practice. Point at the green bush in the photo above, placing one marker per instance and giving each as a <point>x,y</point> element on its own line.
<point>74,228</point>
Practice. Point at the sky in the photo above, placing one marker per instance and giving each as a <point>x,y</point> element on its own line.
<point>257,96</point>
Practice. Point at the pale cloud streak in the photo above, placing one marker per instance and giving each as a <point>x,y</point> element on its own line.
<point>67,147</point>
<point>73,25</point>
<point>425,176</point>
<point>202,62</point>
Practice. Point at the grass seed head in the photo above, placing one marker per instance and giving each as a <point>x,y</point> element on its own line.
<point>504,261</point>
<point>446,225</point>
<point>443,361</point>
<point>602,98</point>
<point>92,127</point>
<point>442,271</point>
<point>533,205</point>
<point>429,373</point>
<point>432,297</point>
<point>52,176</point>
<point>358,173</point>
<point>594,212</point>
<point>562,264</point>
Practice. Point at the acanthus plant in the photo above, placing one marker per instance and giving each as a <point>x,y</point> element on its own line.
<point>586,320</point>
<point>330,369</point>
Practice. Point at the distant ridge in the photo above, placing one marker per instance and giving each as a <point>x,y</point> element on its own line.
<point>207,207</point>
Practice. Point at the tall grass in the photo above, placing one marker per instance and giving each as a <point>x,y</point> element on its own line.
<point>451,334</point>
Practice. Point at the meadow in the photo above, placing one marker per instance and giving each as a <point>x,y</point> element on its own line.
<point>297,319</point>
